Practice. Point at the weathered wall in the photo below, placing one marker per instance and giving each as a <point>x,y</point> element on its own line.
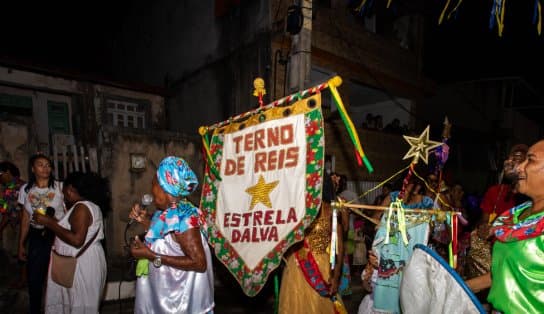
<point>15,143</point>
<point>128,187</point>
<point>84,98</point>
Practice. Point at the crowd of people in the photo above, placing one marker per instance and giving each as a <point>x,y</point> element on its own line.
<point>56,218</point>
<point>499,241</point>
<point>375,122</point>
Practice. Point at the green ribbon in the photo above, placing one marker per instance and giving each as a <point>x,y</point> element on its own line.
<point>276,294</point>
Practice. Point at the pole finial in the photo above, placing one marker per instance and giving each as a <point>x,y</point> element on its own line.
<point>259,91</point>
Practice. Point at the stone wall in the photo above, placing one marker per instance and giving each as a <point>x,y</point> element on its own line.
<point>127,187</point>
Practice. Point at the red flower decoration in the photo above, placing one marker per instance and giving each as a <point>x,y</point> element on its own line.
<point>312,128</point>
<point>309,199</point>
<point>314,179</point>
<point>310,155</point>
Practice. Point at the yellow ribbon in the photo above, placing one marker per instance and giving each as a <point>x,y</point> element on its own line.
<point>378,185</point>
<point>455,8</point>
<point>500,18</point>
<point>443,12</point>
<point>388,3</point>
<point>358,9</point>
<point>401,219</point>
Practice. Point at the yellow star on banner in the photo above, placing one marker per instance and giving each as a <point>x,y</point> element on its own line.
<point>260,192</point>
<point>420,146</point>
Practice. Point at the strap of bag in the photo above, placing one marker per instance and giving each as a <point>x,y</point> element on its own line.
<point>90,241</point>
<point>88,244</point>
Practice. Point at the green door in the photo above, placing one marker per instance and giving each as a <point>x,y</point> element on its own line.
<point>58,115</point>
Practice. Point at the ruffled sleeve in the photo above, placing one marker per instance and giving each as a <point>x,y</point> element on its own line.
<point>178,220</point>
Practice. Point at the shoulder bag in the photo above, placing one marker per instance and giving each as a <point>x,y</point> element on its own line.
<point>63,267</point>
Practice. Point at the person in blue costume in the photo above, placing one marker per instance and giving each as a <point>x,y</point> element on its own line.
<point>180,277</point>
<point>388,258</point>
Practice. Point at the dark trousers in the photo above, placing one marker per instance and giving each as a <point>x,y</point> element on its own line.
<point>39,250</point>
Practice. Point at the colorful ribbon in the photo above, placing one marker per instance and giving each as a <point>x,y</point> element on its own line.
<point>308,265</point>
<point>497,15</point>
<point>401,219</point>
<point>336,81</point>
<point>334,238</point>
<point>209,160</point>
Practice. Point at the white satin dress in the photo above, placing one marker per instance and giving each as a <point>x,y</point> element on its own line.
<point>170,290</point>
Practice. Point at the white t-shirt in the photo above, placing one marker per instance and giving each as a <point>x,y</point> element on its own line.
<point>42,197</point>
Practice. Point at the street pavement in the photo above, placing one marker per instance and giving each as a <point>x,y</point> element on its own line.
<point>229,298</point>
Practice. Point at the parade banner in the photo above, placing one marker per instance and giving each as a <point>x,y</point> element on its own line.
<point>263,188</point>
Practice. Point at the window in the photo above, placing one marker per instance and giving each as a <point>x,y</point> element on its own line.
<point>16,104</point>
<point>125,114</point>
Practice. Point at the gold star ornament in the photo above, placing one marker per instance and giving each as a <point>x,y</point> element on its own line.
<point>260,192</point>
<point>420,146</point>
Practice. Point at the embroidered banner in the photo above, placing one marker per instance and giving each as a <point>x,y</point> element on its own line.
<point>270,168</point>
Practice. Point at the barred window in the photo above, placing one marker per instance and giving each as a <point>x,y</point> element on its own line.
<point>125,114</point>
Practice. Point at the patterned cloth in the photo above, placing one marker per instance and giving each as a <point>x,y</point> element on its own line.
<point>517,265</point>
<point>395,255</point>
<point>176,177</point>
<point>176,219</point>
<point>508,228</point>
<point>296,295</point>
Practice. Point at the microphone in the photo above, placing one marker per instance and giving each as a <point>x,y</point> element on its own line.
<point>146,200</point>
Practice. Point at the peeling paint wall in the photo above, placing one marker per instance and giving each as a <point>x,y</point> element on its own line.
<point>127,187</point>
<point>14,144</point>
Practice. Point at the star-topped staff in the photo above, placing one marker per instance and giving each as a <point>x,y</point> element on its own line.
<point>420,146</point>
<point>419,149</point>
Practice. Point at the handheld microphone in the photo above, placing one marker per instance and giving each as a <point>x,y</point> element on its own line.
<point>146,200</point>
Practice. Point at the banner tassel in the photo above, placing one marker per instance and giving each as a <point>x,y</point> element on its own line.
<point>336,81</point>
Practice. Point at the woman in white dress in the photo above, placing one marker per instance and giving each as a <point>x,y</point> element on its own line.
<point>82,227</point>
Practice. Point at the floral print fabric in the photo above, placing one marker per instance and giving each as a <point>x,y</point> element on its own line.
<point>176,177</point>
<point>508,228</point>
<point>174,219</point>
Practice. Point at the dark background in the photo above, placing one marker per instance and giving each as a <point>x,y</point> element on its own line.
<point>80,36</point>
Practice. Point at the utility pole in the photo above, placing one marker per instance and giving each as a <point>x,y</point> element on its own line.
<point>301,47</point>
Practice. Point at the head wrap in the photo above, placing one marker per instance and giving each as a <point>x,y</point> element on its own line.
<point>176,177</point>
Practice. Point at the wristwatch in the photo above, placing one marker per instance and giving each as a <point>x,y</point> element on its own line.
<point>157,261</point>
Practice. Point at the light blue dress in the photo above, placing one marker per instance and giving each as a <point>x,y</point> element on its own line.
<point>395,255</point>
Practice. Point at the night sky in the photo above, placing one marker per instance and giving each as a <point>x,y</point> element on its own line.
<point>75,36</point>
<point>79,36</point>
<point>465,48</point>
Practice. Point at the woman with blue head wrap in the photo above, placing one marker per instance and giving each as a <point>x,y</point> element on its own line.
<point>180,277</point>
